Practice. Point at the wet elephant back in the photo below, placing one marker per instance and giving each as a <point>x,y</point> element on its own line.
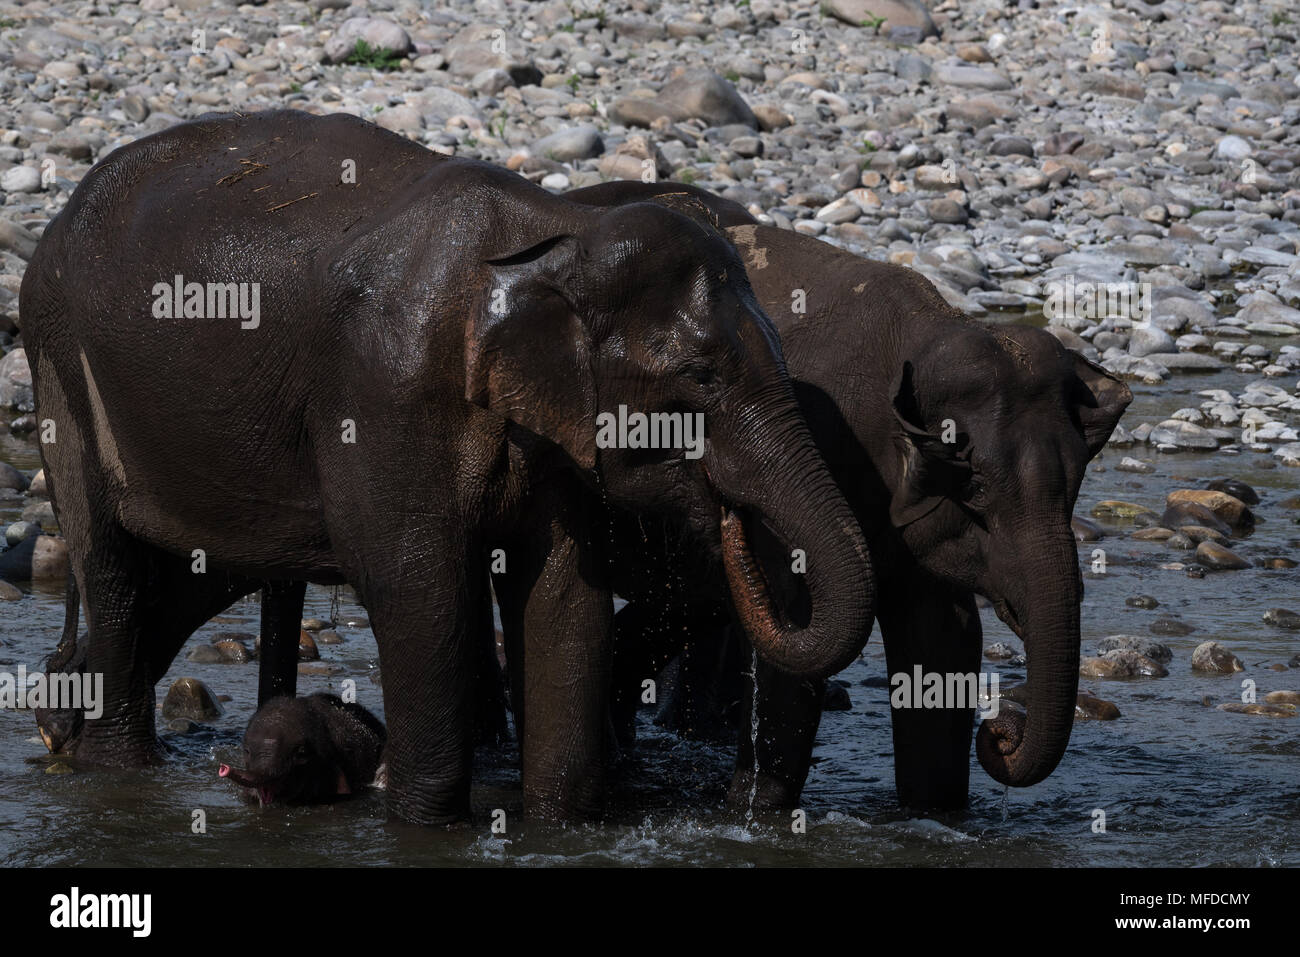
<point>200,417</point>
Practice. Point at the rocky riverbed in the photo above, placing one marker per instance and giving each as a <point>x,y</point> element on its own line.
<point>1123,174</point>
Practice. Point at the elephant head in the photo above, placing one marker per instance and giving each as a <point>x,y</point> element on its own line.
<point>991,432</point>
<point>289,757</point>
<point>590,316</point>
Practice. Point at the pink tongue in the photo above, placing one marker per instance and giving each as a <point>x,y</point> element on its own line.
<point>223,771</point>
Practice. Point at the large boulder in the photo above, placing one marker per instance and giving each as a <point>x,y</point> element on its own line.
<point>696,94</point>
<point>378,35</point>
<point>482,46</point>
<point>896,13</point>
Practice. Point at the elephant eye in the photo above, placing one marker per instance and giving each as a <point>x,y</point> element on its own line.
<point>702,373</point>
<point>974,493</point>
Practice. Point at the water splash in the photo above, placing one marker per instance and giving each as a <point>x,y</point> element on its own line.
<point>753,736</point>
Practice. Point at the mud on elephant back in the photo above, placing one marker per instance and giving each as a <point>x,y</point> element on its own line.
<point>960,448</point>
<point>424,383</point>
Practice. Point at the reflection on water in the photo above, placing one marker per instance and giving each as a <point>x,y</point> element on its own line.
<point>1180,783</point>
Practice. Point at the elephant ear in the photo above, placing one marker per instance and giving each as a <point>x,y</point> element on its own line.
<point>932,469</point>
<point>527,349</point>
<point>1100,399</point>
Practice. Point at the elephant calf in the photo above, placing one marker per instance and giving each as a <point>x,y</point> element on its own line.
<point>309,750</point>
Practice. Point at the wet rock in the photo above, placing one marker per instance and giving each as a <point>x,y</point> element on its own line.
<point>1128,464</point>
<point>1156,534</point>
<point>1142,601</point>
<point>1088,708</point>
<point>1116,510</point>
<point>1238,490</point>
<point>19,532</point>
<point>1170,627</point>
<point>36,558</point>
<point>1278,562</point>
<point>11,478</point>
<point>1263,710</point>
<point>1282,618</point>
<point>204,655</point>
<point>190,698</point>
<point>1212,658</point>
<point>314,624</point>
<point>232,652</point>
<point>1143,646</point>
<point>1086,531</point>
<point>1217,558</point>
<point>1282,697</point>
<point>319,668</point>
<point>38,487</point>
<point>1000,651</point>
<point>329,638</point>
<point>1227,508</point>
<point>9,592</point>
<point>1121,663</point>
<point>836,697</point>
<point>1199,533</point>
<point>16,375</point>
<point>1181,516</point>
<point>183,726</point>
<point>307,650</point>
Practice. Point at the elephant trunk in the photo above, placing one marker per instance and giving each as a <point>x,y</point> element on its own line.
<point>1021,750</point>
<point>803,506</point>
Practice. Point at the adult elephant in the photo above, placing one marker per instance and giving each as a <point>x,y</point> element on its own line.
<point>960,448</point>
<point>281,347</point>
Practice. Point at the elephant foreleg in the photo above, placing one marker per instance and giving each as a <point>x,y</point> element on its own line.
<point>789,709</point>
<point>558,619</point>
<point>938,628</point>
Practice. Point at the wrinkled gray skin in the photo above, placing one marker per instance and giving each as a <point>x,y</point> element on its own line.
<point>309,750</point>
<point>880,362</point>
<point>436,341</point>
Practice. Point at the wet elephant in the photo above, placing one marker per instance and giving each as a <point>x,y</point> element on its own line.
<point>961,448</point>
<point>262,369</point>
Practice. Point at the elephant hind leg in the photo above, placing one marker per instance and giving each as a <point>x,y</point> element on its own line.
<point>142,604</point>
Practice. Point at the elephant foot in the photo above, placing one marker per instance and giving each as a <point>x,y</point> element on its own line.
<point>59,729</point>
<point>930,800</point>
<point>100,748</point>
<point>772,793</point>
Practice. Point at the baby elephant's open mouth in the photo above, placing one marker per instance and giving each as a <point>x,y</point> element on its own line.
<point>265,794</point>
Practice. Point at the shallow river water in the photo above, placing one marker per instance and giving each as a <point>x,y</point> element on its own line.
<point>1181,783</point>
